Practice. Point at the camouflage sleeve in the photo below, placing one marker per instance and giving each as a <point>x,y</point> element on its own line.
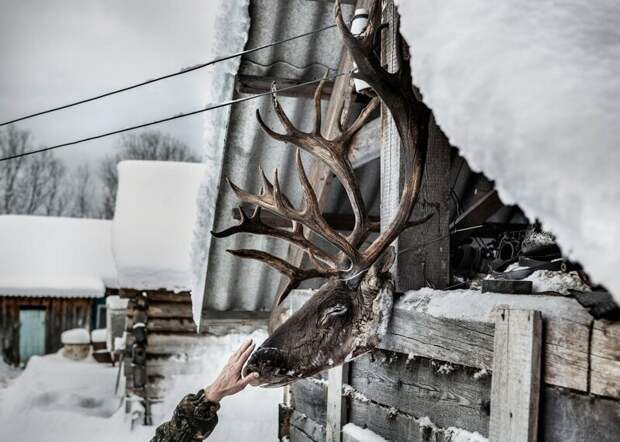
<point>194,419</point>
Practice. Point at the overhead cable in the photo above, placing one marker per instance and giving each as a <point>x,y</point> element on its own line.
<point>174,117</point>
<point>164,77</point>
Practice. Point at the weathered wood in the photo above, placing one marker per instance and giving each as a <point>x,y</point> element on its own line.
<point>515,386</point>
<point>507,286</point>
<point>449,396</point>
<point>309,396</point>
<point>468,339</point>
<point>256,84</point>
<point>171,325</point>
<point>336,403</point>
<point>171,344</point>
<point>458,341</point>
<point>366,144</point>
<point>605,359</point>
<point>157,295</point>
<point>169,310</point>
<point>416,265</point>
<point>567,416</point>
<point>304,428</point>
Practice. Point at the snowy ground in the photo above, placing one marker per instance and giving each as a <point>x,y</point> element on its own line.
<point>56,399</point>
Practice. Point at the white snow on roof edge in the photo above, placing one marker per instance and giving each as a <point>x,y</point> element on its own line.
<point>233,23</point>
<point>528,92</point>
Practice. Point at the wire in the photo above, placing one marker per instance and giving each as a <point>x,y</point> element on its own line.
<point>164,77</point>
<point>174,117</point>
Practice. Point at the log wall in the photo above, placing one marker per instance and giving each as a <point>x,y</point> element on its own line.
<point>60,314</point>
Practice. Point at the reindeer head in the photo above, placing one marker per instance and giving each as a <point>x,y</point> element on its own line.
<point>348,314</point>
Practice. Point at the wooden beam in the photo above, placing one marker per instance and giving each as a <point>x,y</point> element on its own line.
<point>605,359</point>
<point>366,144</point>
<point>256,84</point>
<point>515,386</point>
<point>420,265</point>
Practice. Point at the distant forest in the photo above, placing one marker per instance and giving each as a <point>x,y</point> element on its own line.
<point>41,184</point>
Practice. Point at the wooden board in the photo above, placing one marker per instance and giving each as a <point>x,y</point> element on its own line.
<point>310,398</point>
<point>336,403</point>
<point>515,387</point>
<point>157,309</point>
<point>605,359</point>
<point>415,387</point>
<point>302,429</point>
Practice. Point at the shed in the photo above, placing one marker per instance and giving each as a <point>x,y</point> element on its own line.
<point>53,271</point>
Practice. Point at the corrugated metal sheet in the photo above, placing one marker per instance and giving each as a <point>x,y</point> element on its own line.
<point>232,283</point>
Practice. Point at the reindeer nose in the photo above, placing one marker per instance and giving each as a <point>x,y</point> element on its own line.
<point>265,362</point>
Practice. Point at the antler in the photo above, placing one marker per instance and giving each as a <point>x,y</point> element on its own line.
<point>411,117</point>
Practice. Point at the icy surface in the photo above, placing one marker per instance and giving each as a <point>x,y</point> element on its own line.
<point>528,91</point>
<point>75,336</point>
<point>454,434</point>
<point>57,399</point>
<point>361,434</point>
<point>233,23</point>
<point>62,257</point>
<point>153,223</point>
<point>560,282</point>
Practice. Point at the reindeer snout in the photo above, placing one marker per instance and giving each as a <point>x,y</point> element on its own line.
<point>267,362</point>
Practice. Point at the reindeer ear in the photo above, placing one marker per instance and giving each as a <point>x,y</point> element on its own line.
<point>386,261</point>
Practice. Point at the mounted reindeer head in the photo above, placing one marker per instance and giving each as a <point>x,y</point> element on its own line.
<point>348,314</point>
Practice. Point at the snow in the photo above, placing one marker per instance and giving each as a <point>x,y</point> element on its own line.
<point>454,434</point>
<point>233,23</point>
<point>75,336</point>
<point>99,335</point>
<point>59,399</point>
<point>361,434</point>
<point>153,223</point>
<point>116,302</point>
<point>528,92</point>
<point>560,282</point>
<point>475,306</point>
<point>60,257</point>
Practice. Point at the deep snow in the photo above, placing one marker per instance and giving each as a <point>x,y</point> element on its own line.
<point>56,399</point>
<point>153,223</point>
<point>528,91</point>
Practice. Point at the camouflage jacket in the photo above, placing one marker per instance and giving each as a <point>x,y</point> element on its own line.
<point>194,419</point>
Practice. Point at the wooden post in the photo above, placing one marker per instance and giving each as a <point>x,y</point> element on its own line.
<point>515,386</point>
<point>336,409</point>
<point>424,251</point>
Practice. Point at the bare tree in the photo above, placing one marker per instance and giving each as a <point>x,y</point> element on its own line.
<point>149,145</point>
<point>32,184</point>
<point>82,193</point>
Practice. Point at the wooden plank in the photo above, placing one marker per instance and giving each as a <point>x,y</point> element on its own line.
<point>448,395</point>
<point>566,353</point>
<point>515,385</point>
<point>336,403</point>
<point>567,416</point>
<point>303,428</point>
<point>457,341</point>
<point>366,144</point>
<point>605,359</point>
<point>309,396</point>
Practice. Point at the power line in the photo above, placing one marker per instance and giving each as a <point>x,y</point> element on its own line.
<point>163,120</point>
<point>164,77</point>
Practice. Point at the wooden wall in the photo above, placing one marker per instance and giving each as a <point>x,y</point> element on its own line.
<point>60,314</point>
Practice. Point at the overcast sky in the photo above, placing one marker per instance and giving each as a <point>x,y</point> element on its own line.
<point>62,50</point>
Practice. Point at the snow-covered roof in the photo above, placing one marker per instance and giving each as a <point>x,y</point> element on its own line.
<point>59,257</point>
<point>153,223</point>
<point>528,91</point>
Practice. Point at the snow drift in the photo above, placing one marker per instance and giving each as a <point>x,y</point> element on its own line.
<point>528,91</point>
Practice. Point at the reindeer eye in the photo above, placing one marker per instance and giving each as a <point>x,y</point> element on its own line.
<point>330,312</point>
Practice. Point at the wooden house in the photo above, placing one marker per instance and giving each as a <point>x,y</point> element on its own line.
<point>445,370</point>
<point>54,276</point>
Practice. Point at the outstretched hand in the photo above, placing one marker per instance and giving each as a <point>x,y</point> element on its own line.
<point>229,381</point>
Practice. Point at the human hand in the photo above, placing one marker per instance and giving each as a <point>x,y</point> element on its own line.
<point>229,381</point>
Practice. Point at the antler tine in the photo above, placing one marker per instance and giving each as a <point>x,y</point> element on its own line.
<point>269,131</point>
<point>254,224</point>
<point>361,119</point>
<point>282,266</point>
<point>318,94</point>
<point>290,129</point>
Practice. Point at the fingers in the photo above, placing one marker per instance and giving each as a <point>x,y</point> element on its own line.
<point>242,383</point>
<point>237,354</point>
<point>245,355</point>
